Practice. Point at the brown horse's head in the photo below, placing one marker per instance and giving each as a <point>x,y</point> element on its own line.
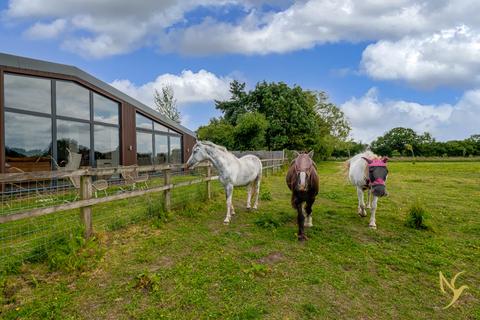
<point>302,175</point>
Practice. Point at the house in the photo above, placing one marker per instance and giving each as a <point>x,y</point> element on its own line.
<point>48,108</point>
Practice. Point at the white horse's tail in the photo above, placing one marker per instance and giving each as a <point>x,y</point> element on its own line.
<point>346,168</point>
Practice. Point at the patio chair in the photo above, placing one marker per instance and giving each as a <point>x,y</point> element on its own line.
<point>132,178</point>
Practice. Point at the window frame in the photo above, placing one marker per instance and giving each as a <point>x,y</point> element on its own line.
<point>153,132</point>
<point>54,117</point>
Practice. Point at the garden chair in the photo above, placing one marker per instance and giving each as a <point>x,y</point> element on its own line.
<point>132,178</point>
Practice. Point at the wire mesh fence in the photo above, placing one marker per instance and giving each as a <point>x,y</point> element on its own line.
<point>117,200</point>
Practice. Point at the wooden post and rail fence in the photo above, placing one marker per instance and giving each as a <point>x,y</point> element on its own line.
<point>86,201</point>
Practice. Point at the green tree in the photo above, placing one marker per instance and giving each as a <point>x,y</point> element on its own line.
<point>237,105</point>
<point>338,125</point>
<point>395,140</point>
<point>166,103</point>
<point>218,131</point>
<point>250,131</point>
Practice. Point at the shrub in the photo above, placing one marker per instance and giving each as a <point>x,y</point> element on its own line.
<point>266,195</point>
<point>416,217</point>
<point>269,221</point>
<point>66,251</point>
<point>155,210</point>
<point>148,281</point>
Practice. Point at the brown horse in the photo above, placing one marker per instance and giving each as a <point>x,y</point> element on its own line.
<point>302,180</point>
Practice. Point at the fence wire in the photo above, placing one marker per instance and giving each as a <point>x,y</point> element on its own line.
<point>29,239</point>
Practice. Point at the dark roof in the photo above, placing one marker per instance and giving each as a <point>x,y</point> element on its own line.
<point>45,66</point>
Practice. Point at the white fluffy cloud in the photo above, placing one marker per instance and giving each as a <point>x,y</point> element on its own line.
<point>450,57</point>
<point>104,28</point>
<point>372,117</point>
<point>189,87</point>
<point>112,27</point>
<point>46,30</point>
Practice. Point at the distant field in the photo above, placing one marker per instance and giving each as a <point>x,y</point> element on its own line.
<point>191,266</point>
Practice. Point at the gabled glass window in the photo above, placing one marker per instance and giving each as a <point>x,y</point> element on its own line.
<point>28,93</point>
<point>105,110</point>
<point>73,100</point>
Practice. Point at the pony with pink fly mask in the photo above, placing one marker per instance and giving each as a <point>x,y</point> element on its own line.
<point>368,172</point>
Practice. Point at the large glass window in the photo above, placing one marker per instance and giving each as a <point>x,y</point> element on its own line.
<point>72,100</point>
<point>107,146</point>
<point>28,142</point>
<point>144,148</point>
<point>161,148</point>
<point>143,122</point>
<point>158,127</point>
<point>73,137</point>
<point>28,93</point>
<point>175,150</point>
<point>105,110</point>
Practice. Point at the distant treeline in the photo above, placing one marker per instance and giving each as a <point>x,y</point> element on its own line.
<point>406,142</point>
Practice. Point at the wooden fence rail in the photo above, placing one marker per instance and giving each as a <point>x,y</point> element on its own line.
<point>86,201</point>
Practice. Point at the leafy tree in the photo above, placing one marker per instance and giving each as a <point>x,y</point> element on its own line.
<point>237,105</point>
<point>250,131</point>
<point>166,103</point>
<point>334,117</point>
<point>295,119</point>
<point>218,131</point>
<point>395,140</point>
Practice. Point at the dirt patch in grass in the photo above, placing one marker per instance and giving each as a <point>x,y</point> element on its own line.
<point>272,258</point>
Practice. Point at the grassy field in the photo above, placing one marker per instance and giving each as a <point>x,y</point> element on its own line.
<point>188,265</point>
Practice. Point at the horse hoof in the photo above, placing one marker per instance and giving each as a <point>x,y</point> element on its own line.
<point>373,227</point>
<point>302,238</point>
<point>226,222</point>
<point>308,225</point>
<point>362,214</point>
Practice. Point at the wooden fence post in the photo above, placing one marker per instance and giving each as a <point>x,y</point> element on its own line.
<point>86,191</point>
<point>209,182</point>
<point>166,194</point>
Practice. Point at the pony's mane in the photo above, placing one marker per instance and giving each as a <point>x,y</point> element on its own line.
<point>213,145</point>
<point>370,155</point>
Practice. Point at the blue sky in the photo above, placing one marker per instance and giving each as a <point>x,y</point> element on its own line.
<point>386,64</point>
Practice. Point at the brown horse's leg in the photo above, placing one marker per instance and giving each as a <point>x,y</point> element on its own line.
<point>308,210</point>
<point>300,221</point>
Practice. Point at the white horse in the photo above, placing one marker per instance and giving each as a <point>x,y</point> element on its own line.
<point>368,172</point>
<point>232,171</point>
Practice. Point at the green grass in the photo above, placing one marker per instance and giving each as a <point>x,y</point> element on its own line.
<point>191,266</point>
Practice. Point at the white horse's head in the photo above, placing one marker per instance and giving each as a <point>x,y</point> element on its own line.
<point>198,155</point>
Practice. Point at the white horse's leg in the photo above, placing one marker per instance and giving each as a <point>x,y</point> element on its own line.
<point>229,194</point>
<point>257,190</point>
<point>369,198</point>
<point>361,204</point>
<point>249,194</point>
<point>372,223</point>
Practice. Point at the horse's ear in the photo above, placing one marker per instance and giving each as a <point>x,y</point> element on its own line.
<point>310,154</point>
<point>295,153</point>
<point>368,160</point>
<point>385,159</point>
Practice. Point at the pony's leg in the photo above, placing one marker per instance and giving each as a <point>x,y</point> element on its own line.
<point>369,198</point>
<point>300,221</point>
<point>308,210</point>
<point>228,193</point>
<point>257,191</point>
<point>249,194</point>
<point>372,223</point>
<point>361,204</point>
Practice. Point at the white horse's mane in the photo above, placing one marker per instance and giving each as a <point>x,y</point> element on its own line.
<point>213,145</point>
